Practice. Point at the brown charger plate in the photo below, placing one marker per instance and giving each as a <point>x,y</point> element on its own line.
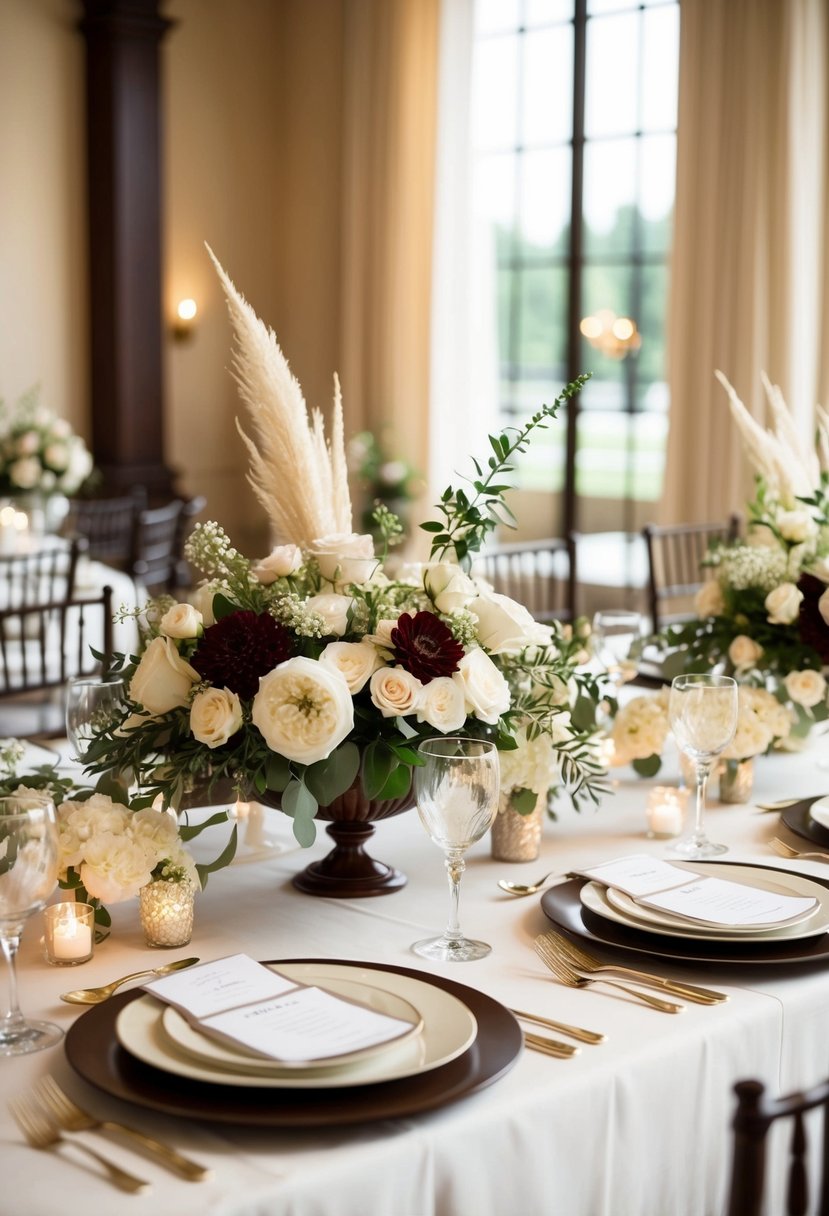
<point>94,1052</point>
<point>563,906</point>
<point>800,821</point>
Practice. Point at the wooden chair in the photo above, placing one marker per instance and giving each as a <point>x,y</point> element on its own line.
<point>154,559</point>
<point>675,573</point>
<point>42,647</point>
<point>540,574</point>
<point>43,575</point>
<point>755,1114</point>
<point>108,525</point>
<point>190,509</point>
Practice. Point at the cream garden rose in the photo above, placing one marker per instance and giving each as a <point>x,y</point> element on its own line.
<point>215,716</point>
<point>345,557</point>
<point>744,652</point>
<point>448,587</point>
<point>485,689</point>
<point>783,604</point>
<point>333,609</point>
<point>395,692</point>
<point>505,626</point>
<point>806,688</point>
<point>355,661</point>
<point>303,710</point>
<point>709,599</point>
<point>163,679</point>
<point>182,621</point>
<point>280,562</point>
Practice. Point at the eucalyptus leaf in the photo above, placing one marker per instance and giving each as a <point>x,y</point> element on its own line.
<point>378,763</point>
<point>301,805</point>
<point>224,859</point>
<point>648,767</point>
<point>329,778</point>
<point>189,831</point>
<point>523,801</point>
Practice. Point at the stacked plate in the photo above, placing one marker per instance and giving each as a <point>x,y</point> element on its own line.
<point>809,818</point>
<point>458,1040</point>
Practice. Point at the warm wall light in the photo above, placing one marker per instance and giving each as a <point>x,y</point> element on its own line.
<point>614,336</point>
<point>184,323</point>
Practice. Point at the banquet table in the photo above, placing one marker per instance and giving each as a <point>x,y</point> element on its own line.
<point>638,1126</point>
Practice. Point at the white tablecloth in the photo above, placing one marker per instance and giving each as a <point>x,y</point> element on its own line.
<point>639,1126</point>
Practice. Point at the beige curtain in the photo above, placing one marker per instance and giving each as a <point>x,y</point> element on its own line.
<point>749,289</point>
<point>390,92</point>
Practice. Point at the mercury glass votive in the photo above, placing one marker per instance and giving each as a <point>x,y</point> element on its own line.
<point>166,910</point>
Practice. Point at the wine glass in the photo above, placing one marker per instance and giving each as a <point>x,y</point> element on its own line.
<point>703,714</point>
<point>457,799</point>
<point>28,876</point>
<point>615,630</point>
<point>92,704</point>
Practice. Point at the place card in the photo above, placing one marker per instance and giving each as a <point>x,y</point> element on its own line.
<point>704,899</point>
<point>239,1001</point>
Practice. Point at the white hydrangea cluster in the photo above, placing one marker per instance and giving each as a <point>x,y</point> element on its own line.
<point>641,728</point>
<point>533,765</point>
<point>761,721</point>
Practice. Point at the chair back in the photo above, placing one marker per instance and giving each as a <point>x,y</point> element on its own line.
<point>44,575</point>
<point>675,573</point>
<point>154,559</point>
<point>754,1116</point>
<point>108,525</point>
<point>540,574</point>
<point>189,510</point>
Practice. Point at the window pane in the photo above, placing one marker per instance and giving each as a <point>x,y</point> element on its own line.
<point>651,362</point>
<point>548,86</point>
<point>660,68</point>
<point>609,196</point>
<point>656,200</point>
<point>611,106</point>
<point>601,460</point>
<point>495,93</point>
<point>650,434</point>
<point>545,202</point>
<point>495,197</point>
<point>545,12</point>
<point>494,16</point>
<point>542,338</point>
<point>607,286</point>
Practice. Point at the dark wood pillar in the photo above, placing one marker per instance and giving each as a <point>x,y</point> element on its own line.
<point>123,125</point>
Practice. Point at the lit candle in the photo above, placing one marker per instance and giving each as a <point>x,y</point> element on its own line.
<point>665,811</point>
<point>69,933</point>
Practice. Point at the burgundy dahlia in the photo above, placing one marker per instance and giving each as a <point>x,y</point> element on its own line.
<point>812,627</point>
<point>425,647</point>
<point>240,648</point>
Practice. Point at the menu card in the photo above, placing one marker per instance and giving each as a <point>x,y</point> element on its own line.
<point>701,898</point>
<point>241,1002</point>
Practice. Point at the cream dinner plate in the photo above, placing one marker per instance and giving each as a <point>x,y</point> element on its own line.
<point>819,811</point>
<point>449,1028</point>
<point>224,1055</point>
<point>624,911</point>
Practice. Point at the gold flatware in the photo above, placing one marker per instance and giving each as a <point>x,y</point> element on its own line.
<point>72,1118</point>
<point>521,888</point>
<point>550,1047</point>
<point>95,996</point>
<point>785,850</point>
<point>575,1032</point>
<point>584,961</point>
<point>574,979</point>
<point>42,1134</point>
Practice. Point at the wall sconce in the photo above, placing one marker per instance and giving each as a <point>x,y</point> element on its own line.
<point>615,337</point>
<point>184,324</point>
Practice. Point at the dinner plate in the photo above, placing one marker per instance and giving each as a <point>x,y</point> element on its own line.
<point>819,812</point>
<point>800,820</point>
<point>187,1038</point>
<point>92,1049</point>
<point>448,1030</point>
<point>562,905</point>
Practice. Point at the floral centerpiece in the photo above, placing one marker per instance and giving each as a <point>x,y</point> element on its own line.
<point>39,452</point>
<point>384,479</point>
<point>309,677</point>
<point>764,615</point>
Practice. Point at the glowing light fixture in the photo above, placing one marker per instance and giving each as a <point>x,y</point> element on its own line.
<point>615,337</point>
<point>183,325</point>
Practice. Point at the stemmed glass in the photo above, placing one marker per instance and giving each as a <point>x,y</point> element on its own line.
<point>614,633</point>
<point>92,704</point>
<point>703,714</point>
<point>457,799</point>
<point>28,876</point>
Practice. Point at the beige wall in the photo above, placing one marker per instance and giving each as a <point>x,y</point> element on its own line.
<point>43,328</point>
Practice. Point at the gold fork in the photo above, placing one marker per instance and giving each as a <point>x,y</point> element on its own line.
<point>785,850</point>
<point>584,961</point>
<point>550,1047</point>
<point>574,979</point>
<point>41,1133</point>
<point>72,1118</point>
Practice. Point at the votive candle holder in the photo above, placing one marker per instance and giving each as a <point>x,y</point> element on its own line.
<point>166,910</point>
<point>69,936</point>
<point>665,812</point>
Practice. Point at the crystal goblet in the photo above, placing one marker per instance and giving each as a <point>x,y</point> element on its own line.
<point>702,710</point>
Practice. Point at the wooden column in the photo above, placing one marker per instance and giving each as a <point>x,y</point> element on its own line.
<point>123,39</point>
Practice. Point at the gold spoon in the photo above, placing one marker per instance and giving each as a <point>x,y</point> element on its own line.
<point>94,996</point>
<point>520,888</point>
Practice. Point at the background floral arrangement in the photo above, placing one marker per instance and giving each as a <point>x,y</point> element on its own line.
<point>383,479</point>
<point>764,616</point>
<point>300,674</point>
<point>39,452</point>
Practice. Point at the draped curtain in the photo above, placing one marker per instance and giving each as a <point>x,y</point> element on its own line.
<point>749,287</point>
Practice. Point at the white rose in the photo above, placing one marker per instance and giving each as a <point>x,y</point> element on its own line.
<point>334,611</point>
<point>505,626</point>
<point>744,651</point>
<point>27,443</point>
<point>202,601</point>
<point>442,705</point>
<point>382,633</point>
<point>823,606</point>
<point>303,710</point>
<point>182,621</point>
<point>162,680</point>
<point>57,456</point>
<point>395,692</point>
<point>281,561</point>
<point>708,600</point>
<point>344,557</point>
<point>448,587</point>
<point>355,661</point>
<point>80,463</point>
<point>485,690</point>
<point>796,526</point>
<point>25,473</point>
<point>116,867</point>
<point>806,688</point>
<point>61,428</point>
<point>215,715</point>
<point>783,604</point>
